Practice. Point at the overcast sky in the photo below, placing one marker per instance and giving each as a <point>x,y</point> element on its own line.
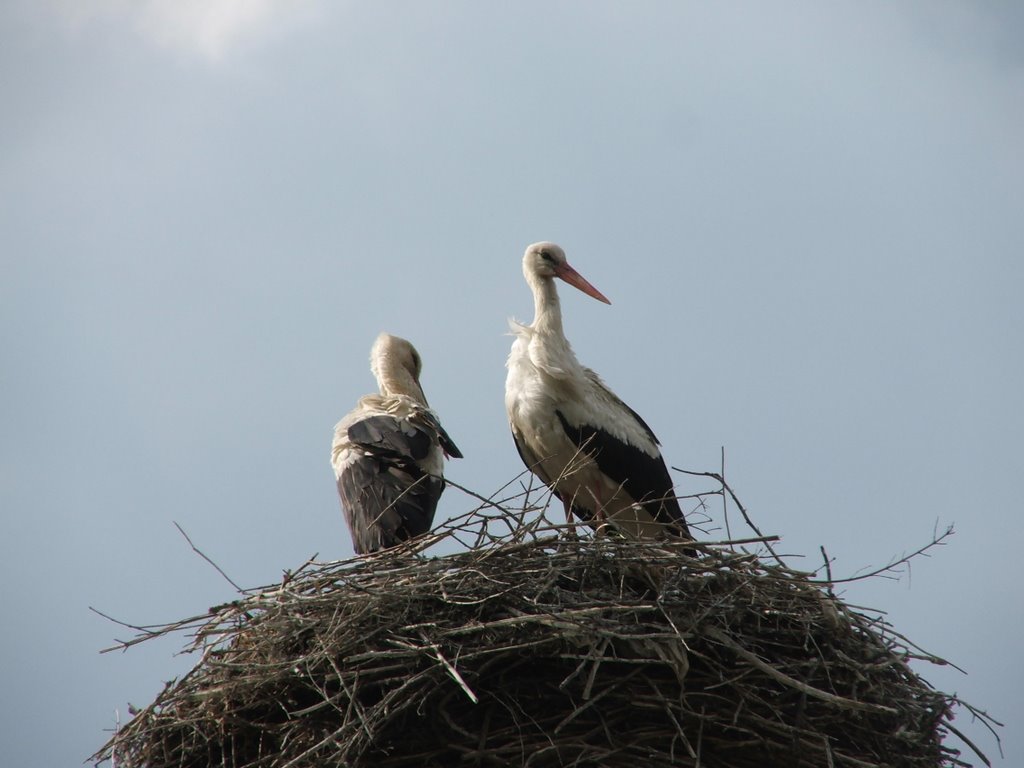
<point>808,217</point>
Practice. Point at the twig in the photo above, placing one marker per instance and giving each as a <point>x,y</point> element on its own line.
<point>935,542</point>
<point>202,555</point>
<point>725,504</point>
<point>736,501</point>
<point>828,568</point>
<point>451,670</point>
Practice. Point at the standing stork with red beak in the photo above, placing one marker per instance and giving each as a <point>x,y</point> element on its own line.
<point>592,450</point>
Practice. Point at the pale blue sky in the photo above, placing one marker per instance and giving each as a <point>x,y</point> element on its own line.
<point>808,218</point>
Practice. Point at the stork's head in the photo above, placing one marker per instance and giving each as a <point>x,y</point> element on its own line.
<point>546,260</point>
<point>397,366</point>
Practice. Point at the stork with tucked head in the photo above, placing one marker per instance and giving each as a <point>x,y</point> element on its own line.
<point>592,450</point>
<point>388,453</point>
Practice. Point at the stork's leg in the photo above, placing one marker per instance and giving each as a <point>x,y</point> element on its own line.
<point>600,519</point>
<point>568,516</point>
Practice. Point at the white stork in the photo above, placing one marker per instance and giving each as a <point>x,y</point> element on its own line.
<point>388,453</point>
<point>592,450</point>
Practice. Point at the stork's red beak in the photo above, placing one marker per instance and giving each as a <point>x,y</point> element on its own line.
<point>576,280</point>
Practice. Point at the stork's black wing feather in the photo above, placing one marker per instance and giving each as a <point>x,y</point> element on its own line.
<point>388,436</point>
<point>386,497</point>
<point>430,420</point>
<point>643,476</point>
<point>386,504</point>
<point>448,444</point>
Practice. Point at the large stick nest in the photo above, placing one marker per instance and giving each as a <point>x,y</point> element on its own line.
<point>534,647</point>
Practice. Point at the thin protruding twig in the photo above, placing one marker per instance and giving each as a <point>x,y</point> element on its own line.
<point>725,499</point>
<point>736,501</point>
<point>827,566</point>
<point>892,565</point>
<point>203,555</point>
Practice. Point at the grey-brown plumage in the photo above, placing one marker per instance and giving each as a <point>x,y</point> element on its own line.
<point>388,453</point>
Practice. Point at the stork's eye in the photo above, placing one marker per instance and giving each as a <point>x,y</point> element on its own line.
<point>547,256</point>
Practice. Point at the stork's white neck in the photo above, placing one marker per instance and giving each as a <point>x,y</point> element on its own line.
<point>547,310</point>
